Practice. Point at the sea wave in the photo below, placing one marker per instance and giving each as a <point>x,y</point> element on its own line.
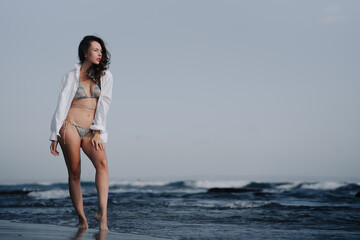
<point>224,205</point>
<point>218,184</point>
<point>205,184</point>
<point>137,183</point>
<point>48,188</point>
<point>50,194</point>
<point>156,191</point>
<point>39,183</point>
<point>249,204</point>
<point>322,185</point>
<point>288,186</point>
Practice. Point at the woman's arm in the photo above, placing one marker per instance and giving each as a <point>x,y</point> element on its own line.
<point>103,104</point>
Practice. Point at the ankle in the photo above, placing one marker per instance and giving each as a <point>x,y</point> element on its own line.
<point>101,213</point>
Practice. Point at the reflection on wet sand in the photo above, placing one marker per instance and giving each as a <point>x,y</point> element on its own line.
<point>31,231</point>
<point>100,235</point>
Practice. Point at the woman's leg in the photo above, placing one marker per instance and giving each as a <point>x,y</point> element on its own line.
<point>71,152</point>
<point>99,160</point>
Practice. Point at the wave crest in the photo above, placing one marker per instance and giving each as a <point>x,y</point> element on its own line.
<point>50,194</point>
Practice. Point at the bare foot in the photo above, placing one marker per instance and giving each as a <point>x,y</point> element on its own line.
<point>102,219</point>
<point>97,216</point>
<point>103,227</point>
<point>83,224</point>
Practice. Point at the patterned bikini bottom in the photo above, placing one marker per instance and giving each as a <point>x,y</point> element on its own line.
<point>81,130</point>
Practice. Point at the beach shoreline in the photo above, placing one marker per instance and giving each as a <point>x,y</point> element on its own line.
<point>15,230</point>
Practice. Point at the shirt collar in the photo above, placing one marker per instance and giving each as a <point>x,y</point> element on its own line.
<point>78,66</point>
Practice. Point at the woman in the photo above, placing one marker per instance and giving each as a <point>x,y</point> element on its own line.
<point>79,121</point>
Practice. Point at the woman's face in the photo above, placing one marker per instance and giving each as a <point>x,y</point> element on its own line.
<point>94,53</point>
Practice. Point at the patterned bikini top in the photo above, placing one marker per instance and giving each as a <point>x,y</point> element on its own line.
<point>80,93</point>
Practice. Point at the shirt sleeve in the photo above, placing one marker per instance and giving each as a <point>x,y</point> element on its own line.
<point>60,102</point>
<point>103,104</point>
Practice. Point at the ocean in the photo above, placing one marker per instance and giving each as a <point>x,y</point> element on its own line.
<point>199,209</point>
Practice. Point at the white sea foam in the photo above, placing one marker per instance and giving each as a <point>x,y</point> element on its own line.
<point>126,190</point>
<point>246,204</point>
<point>289,186</point>
<point>187,183</point>
<point>138,183</point>
<point>210,204</point>
<point>218,184</point>
<point>192,204</point>
<point>50,194</point>
<point>322,185</point>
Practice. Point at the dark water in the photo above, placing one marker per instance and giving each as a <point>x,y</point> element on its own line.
<point>188,210</point>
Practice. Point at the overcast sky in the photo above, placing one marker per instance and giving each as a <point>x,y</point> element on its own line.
<point>241,89</point>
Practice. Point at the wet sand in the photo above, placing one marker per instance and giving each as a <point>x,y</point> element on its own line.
<point>14,231</point>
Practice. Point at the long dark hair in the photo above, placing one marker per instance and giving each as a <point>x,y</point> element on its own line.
<point>96,70</point>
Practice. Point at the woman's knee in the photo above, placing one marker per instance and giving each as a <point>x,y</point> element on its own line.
<point>102,164</point>
<point>74,173</point>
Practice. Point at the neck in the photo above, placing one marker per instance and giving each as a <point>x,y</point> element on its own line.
<point>85,66</point>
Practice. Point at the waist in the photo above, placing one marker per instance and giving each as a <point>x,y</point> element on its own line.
<point>80,106</point>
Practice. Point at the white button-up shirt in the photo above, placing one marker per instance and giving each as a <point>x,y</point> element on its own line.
<point>68,88</point>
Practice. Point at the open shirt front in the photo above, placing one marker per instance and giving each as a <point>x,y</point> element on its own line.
<point>68,87</point>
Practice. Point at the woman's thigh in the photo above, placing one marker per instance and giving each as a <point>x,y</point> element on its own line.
<point>71,147</point>
<point>97,157</point>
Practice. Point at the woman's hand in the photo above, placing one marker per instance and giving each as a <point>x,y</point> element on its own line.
<point>97,142</point>
<point>53,147</point>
